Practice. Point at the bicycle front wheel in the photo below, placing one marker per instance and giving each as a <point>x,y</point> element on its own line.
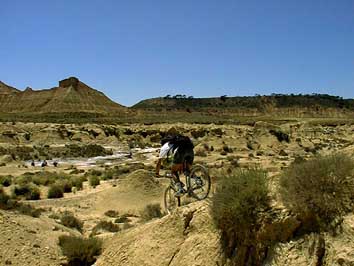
<point>171,202</point>
<point>199,182</point>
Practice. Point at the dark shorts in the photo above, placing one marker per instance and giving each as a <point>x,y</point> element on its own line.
<point>184,155</point>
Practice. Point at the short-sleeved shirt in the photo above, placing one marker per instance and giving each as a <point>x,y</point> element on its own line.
<point>167,151</point>
<point>175,155</point>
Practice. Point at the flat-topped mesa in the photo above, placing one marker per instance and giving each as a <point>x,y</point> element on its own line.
<point>72,81</point>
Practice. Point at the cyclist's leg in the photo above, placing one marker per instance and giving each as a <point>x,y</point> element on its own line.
<point>188,161</point>
<point>175,170</point>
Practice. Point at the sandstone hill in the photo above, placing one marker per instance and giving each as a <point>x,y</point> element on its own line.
<point>71,96</point>
<point>291,105</point>
<point>5,89</point>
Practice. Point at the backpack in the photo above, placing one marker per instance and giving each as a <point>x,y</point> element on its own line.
<point>178,141</point>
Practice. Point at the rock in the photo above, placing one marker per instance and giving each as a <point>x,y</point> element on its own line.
<point>72,81</point>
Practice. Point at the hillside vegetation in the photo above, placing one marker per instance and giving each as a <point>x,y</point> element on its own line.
<point>75,102</point>
<point>258,102</point>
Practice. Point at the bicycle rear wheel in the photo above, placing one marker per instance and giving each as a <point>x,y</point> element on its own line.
<point>199,182</point>
<point>171,202</point>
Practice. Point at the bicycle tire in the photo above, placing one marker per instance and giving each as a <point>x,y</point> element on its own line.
<point>171,202</point>
<point>201,172</point>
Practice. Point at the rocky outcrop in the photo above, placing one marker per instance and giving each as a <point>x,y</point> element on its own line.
<point>72,96</point>
<point>185,237</point>
<point>72,81</point>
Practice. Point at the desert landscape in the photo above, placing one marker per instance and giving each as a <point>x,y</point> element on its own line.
<point>104,189</point>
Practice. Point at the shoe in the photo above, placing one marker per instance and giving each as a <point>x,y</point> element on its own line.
<point>180,191</point>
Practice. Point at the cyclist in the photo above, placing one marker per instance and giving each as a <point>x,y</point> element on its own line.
<point>177,153</point>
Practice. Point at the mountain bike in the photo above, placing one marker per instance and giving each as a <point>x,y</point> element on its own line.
<point>197,186</point>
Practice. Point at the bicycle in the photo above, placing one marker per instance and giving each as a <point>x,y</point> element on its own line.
<point>197,186</point>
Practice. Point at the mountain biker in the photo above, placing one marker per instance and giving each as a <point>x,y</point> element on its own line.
<point>177,153</point>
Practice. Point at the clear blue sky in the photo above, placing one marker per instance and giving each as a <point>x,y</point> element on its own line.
<point>132,50</point>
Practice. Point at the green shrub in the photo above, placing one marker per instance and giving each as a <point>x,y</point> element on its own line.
<point>94,181</point>
<point>94,172</point>
<point>6,180</point>
<point>77,182</point>
<point>107,175</point>
<point>151,211</point>
<point>104,226</point>
<point>80,251</point>
<point>9,204</point>
<point>23,179</point>
<point>28,191</point>
<point>66,185</point>
<point>238,200</point>
<point>46,178</point>
<point>55,191</point>
<point>322,188</point>
<point>69,220</point>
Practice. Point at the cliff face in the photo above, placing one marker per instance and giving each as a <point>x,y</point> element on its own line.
<point>71,96</point>
<point>6,89</point>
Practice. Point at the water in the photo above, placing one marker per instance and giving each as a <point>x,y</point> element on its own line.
<point>117,156</point>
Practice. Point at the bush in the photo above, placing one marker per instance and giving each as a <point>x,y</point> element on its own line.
<point>80,251</point>
<point>94,181</point>
<point>46,178</point>
<point>238,200</point>
<point>321,188</point>
<point>55,191</point>
<point>107,175</point>
<point>78,182</point>
<point>95,172</point>
<point>28,191</point>
<point>151,211</point>
<point>8,204</point>
<point>104,226</point>
<point>66,185</point>
<point>6,180</point>
<point>23,179</point>
<point>69,220</point>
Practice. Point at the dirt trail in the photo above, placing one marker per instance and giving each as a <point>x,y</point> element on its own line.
<point>184,238</point>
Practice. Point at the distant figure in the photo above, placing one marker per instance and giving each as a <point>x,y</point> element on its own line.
<point>44,163</point>
<point>55,163</point>
<point>33,164</point>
